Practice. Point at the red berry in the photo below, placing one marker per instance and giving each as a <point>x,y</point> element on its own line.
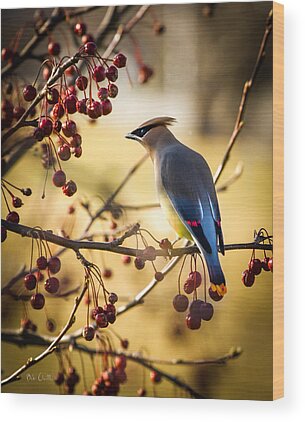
<point>81,106</point>
<point>101,320</point>
<point>155,377</point>
<point>119,60</point>
<point>38,134</point>
<point>69,128</point>
<point>255,266</point>
<point>102,94</point>
<point>141,392</point>
<point>145,73</point>
<point>54,265</point>
<point>13,217</point>
<point>18,112</point>
<point>26,191</point>
<point>42,263</point>
<point>270,264</point>
<point>59,178</point>
<point>3,234</point>
<point>52,96</point>
<point>17,202</point>
<point>109,308</point>
<point>94,110</point>
<point>248,278</point>
<point>165,244</point>
<point>196,277</point>
<point>37,301</point>
<point>120,362</point>
<point>113,298</point>
<point>193,323</point>
<point>80,28</point>
<point>195,308</point>
<point>69,188</point>
<point>121,376</point>
<point>46,126</point>
<point>51,285</point>
<point>77,152</point>
<point>180,303</point>
<point>81,83</point>
<point>64,152</point>
<point>60,378</point>
<point>126,259</point>
<point>70,104</point>
<point>214,295</point>
<point>96,310</point>
<point>124,343</point>
<point>265,263</point>
<point>113,90</point>
<point>189,286</point>
<point>88,333</point>
<point>107,107</point>
<point>90,48</point>
<point>112,73</point>
<point>159,276</point>
<point>29,92</point>
<point>30,282</point>
<point>54,48</point>
<point>58,111</point>
<point>87,38</point>
<point>51,326</point>
<point>149,253</point>
<point>46,73</point>
<point>107,273</point>
<point>139,263</point>
<point>207,311</point>
<point>99,73</point>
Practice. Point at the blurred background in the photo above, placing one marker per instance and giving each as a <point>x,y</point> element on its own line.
<point>200,64</point>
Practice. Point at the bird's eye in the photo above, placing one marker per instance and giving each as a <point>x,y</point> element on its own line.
<point>143,130</point>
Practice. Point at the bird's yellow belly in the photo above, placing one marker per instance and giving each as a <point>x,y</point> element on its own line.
<point>172,217</point>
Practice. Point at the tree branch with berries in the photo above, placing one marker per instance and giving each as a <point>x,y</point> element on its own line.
<point>86,83</point>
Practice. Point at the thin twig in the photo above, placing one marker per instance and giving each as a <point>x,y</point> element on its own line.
<point>125,29</point>
<point>111,198</point>
<point>239,123</point>
<point>56,17</point>
<point>50,349</point>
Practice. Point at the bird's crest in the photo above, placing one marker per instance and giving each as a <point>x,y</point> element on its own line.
<point>159,121</point>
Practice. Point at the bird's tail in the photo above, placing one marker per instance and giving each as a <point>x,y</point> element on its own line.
<point>217,278</point>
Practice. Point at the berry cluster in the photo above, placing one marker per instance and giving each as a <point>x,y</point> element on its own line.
<point>255,265</point>
<point>46,268</point>
<point>110,379</point>
<point>72,93</point>
<point>68,379</point>
<point>101,315</point>
<point>148,254</point>
<point>198,310</point>
<point>16,202</point>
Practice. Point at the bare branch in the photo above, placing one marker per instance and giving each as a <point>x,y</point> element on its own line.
<point>58,15</point>
<point>125,29</point>
<point>76,245</point>
<point>241,110</point>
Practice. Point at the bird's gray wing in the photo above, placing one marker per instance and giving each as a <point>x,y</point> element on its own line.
<point>186,178</point>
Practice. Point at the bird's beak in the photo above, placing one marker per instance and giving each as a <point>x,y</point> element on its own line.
<point>134,137</point>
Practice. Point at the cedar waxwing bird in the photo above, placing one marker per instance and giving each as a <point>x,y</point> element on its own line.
<point>186,192</point>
